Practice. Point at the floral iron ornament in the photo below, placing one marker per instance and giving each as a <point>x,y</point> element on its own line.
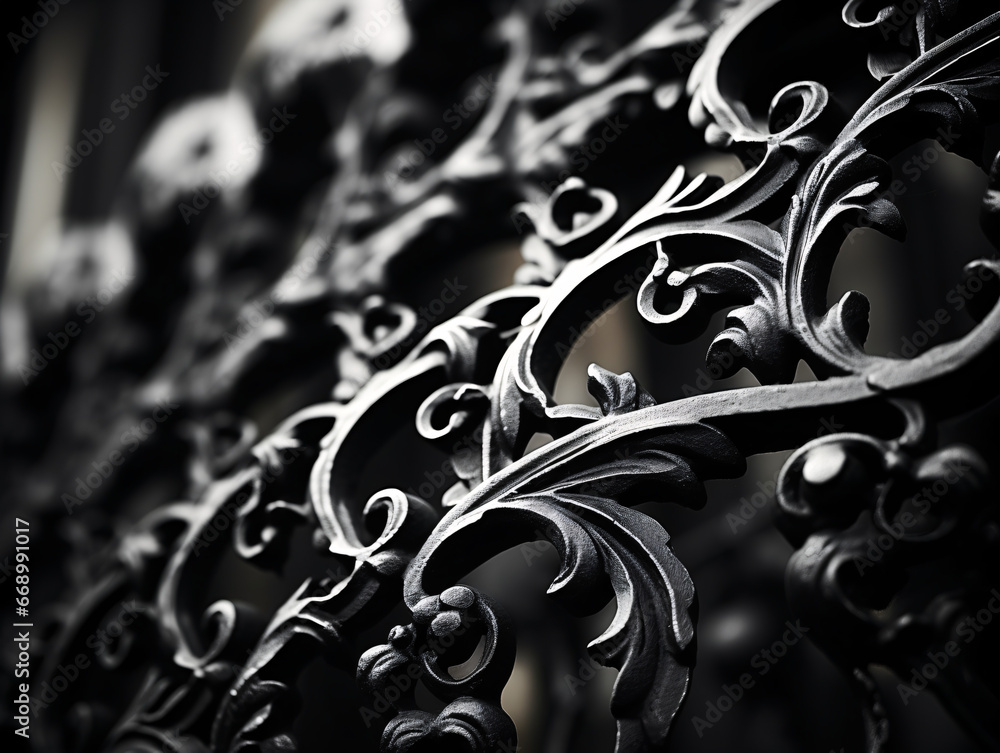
<point>480,385</point>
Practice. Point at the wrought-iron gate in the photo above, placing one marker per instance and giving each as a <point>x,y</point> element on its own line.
<point>299,452</point>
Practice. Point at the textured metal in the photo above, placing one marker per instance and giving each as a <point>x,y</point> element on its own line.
<point>298,287</point>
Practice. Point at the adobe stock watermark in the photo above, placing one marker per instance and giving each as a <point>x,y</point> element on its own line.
<point>88,309</point>
<point>561,12</point>
<point>958,298</point>
<point>626,285</point>
<point>914,168</point>
<point>30,27</point>
<point>587,668</point>
<point>427,315</point>
<point>763,661</point>
<point>406,165</point>
<point>228,513</point>
<point>532,550</point>
<point>257,312</point>
<point>580,159</point>
<point>365,34</point>
<point>969,629</point>
<point>402,682</point>
<point>925,499</point>
<point>685,58</point>
<point>94,137</point>
<point>98,642</point>
<point>902,14</point>
<point>222,177</point>
<point>537,547</point>
<point>720,366</point>
<point>224,7</point>
<point>463,450</point>
<point>750,506</point>
<point>131,440</point>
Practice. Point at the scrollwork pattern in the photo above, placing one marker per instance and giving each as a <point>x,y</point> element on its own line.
<point>480,385</point>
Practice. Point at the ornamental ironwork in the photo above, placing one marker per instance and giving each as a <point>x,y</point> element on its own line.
<point>305,475</point>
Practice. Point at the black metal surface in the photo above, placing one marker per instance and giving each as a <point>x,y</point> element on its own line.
<point>286,440</point>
